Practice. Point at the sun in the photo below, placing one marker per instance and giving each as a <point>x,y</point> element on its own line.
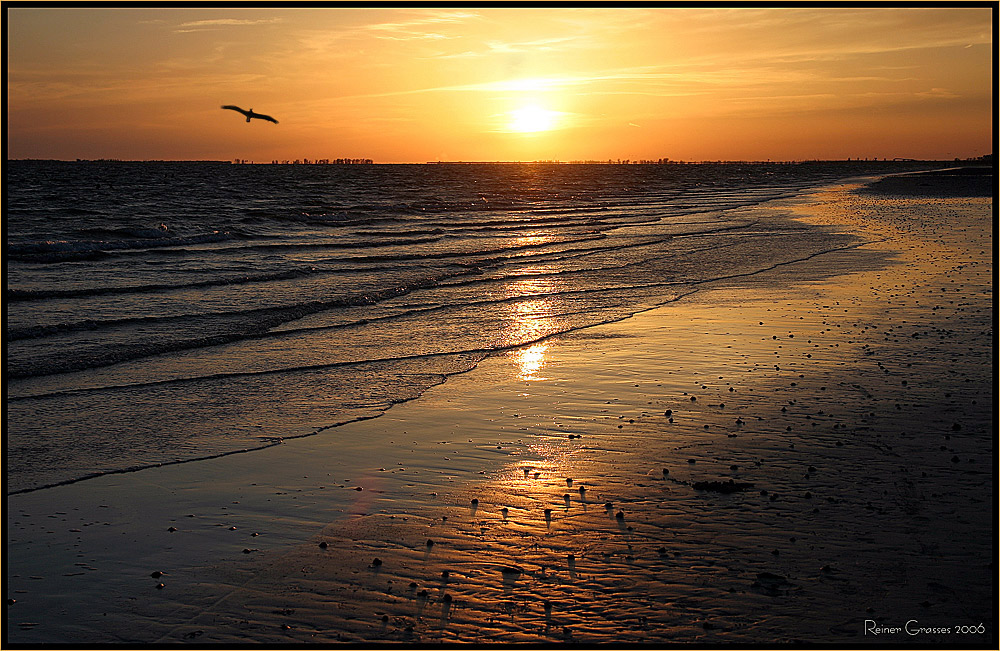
<point>531,119</point>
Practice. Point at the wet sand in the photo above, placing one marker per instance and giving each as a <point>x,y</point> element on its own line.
<point>775,459</point>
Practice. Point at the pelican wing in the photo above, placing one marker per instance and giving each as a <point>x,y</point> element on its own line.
<point>235,108</point>
<point>264,117</point>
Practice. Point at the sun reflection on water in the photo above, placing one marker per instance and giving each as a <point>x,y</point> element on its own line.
<point>530,319</point>
<point>531,360</point>
<point>532,239</point>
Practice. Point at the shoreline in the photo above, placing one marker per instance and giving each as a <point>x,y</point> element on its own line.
<point>730,570</point>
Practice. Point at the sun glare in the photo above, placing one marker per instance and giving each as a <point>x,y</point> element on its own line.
<point>531,119</point>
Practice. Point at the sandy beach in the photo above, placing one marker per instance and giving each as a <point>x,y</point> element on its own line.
<point>800,456</point>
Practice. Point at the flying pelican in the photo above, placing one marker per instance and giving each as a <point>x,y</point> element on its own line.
<point>250,114</point>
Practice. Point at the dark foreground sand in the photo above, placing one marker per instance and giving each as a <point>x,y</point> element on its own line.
<point>803,456</point>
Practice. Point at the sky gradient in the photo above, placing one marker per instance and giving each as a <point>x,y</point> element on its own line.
<point>416,85</point>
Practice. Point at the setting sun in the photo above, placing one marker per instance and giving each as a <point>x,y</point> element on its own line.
<point>531,119</point>
<point>414,84</point>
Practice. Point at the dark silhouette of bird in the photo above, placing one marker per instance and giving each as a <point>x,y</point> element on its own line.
<point>250,114</point>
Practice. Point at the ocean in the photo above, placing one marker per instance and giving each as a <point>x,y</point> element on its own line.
<point>163,312</point>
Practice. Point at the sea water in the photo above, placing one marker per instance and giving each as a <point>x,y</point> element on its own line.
<point>163,312</point>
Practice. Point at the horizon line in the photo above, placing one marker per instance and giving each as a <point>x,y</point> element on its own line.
<point>609,161</point>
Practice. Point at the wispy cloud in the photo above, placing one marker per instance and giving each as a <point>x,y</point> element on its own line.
<point>87,87</point>
<point>540,45</point>
<point>938,93</point>
<point>416,28</point>
<point>494,47</point>
<point>344,40</point>
<point>807,34</point>
<point>548,84</point>
<point>433,19</point>
<point>216,23</point>
<point>414,36</point>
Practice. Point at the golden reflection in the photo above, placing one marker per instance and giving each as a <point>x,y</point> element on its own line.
<point>531,240</point>
<point>530,319</point>
<point>530,361</point>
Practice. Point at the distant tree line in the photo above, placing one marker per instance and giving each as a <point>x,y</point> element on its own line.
<point>626,161</point>
<point>317,161</point>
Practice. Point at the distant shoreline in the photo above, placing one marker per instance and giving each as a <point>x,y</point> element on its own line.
<point>981,161</point>
<point>962,181</point>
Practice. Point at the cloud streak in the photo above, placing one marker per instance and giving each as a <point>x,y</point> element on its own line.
<point>216,23</point>
<point>413,29</point>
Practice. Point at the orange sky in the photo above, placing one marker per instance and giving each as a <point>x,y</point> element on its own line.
<point>415,85</point>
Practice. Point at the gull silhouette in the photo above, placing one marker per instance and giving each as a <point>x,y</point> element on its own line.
<point>250,114</point>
